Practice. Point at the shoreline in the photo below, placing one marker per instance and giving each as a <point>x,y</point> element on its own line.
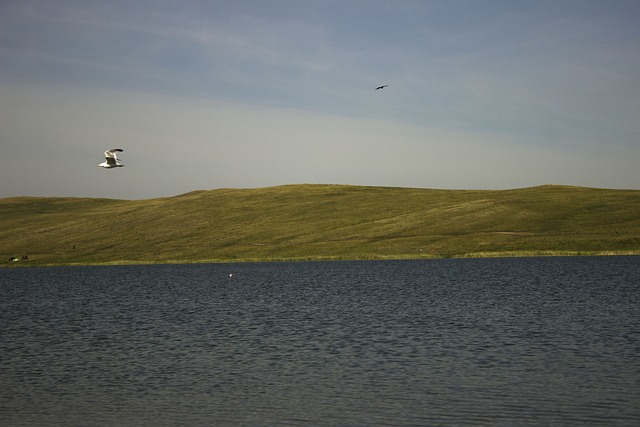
<point>471,255</point>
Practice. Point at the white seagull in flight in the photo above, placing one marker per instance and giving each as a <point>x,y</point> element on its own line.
<point>111,159</point>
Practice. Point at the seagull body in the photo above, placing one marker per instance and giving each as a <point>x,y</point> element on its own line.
<point>381,87</point>
<point>111,159</point>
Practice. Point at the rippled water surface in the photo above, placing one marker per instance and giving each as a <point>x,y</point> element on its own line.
<point>529,341</point>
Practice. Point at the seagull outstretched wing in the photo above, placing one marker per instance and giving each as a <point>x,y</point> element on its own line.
<point>112,153</point>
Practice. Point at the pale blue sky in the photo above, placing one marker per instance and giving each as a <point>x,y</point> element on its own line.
<point>209,94</point>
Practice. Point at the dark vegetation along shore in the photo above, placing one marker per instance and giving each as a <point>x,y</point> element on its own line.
<point>314,222</point>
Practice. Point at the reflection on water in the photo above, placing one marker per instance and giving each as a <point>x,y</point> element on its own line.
<point>537,341</point>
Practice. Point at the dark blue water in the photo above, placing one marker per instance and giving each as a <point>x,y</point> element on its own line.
<point>528,341</point>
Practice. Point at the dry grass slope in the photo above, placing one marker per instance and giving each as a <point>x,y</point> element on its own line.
<point>320,222</point>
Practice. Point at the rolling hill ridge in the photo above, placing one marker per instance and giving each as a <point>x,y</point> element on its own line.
<point>296,222</point>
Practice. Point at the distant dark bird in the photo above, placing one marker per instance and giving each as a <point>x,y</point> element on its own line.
<point>381,87</point>
<point>111,159</point>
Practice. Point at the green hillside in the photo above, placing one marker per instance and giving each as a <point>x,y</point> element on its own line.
<point>320,222</point>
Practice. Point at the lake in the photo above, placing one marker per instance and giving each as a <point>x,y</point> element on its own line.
<point>476,342</point>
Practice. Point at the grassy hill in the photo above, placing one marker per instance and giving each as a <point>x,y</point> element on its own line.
<point>320,222</point>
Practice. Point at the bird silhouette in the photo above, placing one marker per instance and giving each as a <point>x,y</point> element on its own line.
<point>381,87</point>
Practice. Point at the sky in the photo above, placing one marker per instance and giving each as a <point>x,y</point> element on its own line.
<point>207,94</point>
